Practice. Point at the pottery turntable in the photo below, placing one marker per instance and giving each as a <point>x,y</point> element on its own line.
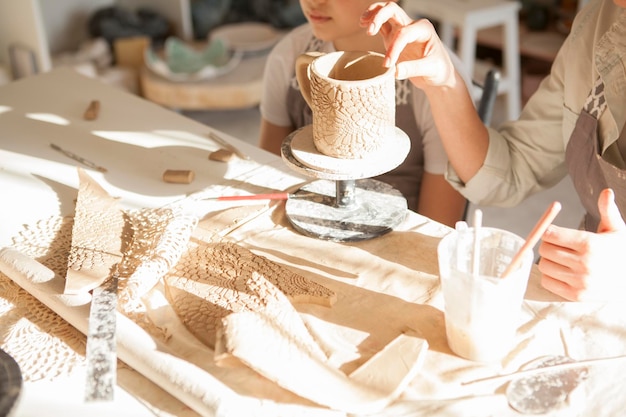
<point>345,203</point>
<point>352,138</point>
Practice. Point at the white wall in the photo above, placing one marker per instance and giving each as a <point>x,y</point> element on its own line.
<point>66,21</point>
<point>20,22</point>
<point>52,26</point>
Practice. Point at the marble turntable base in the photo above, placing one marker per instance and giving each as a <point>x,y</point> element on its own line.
<point>377,209</point>
<point>344,204</point>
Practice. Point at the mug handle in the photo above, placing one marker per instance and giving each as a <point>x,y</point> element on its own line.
<point>303,73</point>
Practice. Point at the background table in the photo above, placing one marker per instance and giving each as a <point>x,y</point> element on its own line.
<point>239,89</point>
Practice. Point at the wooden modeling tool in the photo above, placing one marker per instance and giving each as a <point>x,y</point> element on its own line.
<point>534,236</point>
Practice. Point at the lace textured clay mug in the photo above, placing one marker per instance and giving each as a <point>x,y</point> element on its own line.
<point>352,96</point>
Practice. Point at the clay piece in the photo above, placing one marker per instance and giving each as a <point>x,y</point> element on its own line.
<point>93,110</point>
<point>240,304</point>
<point>179,176</point>
<point>249,336</point>
<point>221,155</point>
<point>159,238</point>
<point>97,237</point>
<point>212,281</point>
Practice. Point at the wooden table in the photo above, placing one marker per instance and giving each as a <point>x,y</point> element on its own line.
<point>385,286</point>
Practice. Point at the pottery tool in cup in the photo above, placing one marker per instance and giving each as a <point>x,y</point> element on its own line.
<point>478,222</point>
<point>534,236</point>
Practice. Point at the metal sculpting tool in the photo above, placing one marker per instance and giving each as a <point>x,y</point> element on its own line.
<point>78,158</point>
<point>101,342</point>
<point>93,265</point>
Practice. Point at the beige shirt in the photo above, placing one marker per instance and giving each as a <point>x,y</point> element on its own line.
<point>528,155</point>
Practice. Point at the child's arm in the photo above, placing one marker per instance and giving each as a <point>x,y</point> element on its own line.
<point>271,136</point>
<point>439,201</point>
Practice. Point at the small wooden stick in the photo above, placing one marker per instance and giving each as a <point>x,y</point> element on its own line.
<point>92,110</point>
<point>534,236</point>
<point>178,176</point>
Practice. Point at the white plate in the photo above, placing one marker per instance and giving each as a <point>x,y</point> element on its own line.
<point>247,36</point>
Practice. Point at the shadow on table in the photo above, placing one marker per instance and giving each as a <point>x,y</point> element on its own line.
<point>135,151</point>
<point>384,287</point>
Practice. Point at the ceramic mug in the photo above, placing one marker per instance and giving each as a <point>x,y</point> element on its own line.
<point>353,100</point>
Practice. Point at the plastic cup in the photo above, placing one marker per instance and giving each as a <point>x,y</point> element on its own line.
<point>482,311</point>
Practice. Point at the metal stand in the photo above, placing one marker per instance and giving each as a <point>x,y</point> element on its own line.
<point>342,206</point>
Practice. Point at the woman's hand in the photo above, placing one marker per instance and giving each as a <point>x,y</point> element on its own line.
<point>585,266</point>
<point>413,46</point>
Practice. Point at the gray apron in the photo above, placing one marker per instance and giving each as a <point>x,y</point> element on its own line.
<point>407,177</point>
<point>590,173</point>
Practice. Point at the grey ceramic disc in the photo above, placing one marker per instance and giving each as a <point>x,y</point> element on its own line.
<point>541,393</point>
<point>10,383</point>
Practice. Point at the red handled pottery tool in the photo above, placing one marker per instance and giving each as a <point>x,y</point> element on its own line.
<point>269,196</point>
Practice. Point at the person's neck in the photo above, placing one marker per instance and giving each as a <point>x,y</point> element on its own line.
<point>360,43</point>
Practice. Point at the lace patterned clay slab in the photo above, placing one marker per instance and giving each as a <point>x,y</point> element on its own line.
<point>159,237</point>
<point>263,346</point>
<point>97,237</point>
<point>239,303</point>
<point>213,280</point>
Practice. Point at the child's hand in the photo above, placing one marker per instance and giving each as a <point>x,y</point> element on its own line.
<point>412,46</point>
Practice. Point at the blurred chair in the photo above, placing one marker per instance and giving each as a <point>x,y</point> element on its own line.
<point>488,95</point>
<point>459,24</point>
